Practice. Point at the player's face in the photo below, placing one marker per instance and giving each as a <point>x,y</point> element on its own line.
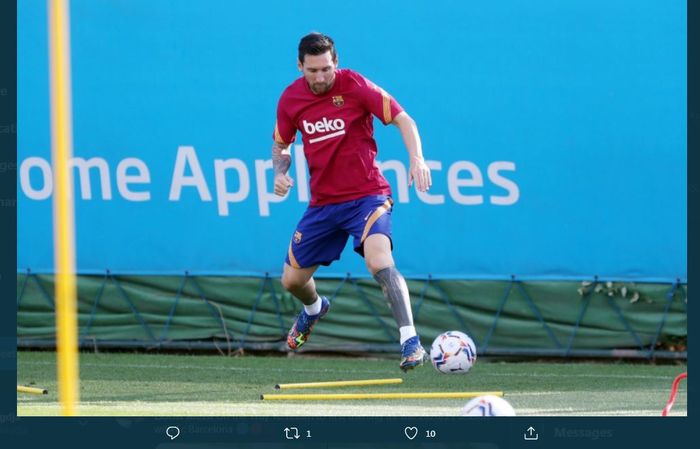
<point>319,72</point>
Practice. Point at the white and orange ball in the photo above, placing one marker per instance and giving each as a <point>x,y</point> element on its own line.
<point>453,352</point>
<point>488,406</point>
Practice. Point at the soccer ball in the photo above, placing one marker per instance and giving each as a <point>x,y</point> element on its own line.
<point>488,406</point>
<point>453,352</point>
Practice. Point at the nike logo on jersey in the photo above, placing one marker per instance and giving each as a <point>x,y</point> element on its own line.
<point>336,127</point>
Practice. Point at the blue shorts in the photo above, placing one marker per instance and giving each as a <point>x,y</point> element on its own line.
<point>323,231</point>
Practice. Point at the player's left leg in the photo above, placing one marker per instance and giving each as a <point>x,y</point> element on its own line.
<point>370,226</point>
<point>380,263</point>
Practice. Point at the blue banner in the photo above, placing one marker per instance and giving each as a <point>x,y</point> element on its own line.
<point>556,134</point>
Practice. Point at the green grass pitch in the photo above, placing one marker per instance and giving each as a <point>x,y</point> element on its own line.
<point>128,384</point>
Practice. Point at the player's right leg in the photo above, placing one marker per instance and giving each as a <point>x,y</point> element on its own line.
<point>316,241</point>
<point>300,283</point>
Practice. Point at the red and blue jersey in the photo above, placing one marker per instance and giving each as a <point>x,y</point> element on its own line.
<point>338,135</point>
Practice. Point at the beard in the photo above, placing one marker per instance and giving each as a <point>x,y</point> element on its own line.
<point>320,88</point>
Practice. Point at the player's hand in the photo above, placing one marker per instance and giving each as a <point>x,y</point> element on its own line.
<point>282,184</point>
<point>420,173</point>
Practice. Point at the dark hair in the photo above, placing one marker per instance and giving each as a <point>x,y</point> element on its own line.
<point>316,44</point>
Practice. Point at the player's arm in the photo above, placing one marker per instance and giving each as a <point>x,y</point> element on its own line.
<point>419,170</point>
<point>282,138</point>
<point>384,106</point>
<point>281,161</point>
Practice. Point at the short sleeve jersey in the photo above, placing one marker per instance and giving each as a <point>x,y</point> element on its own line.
<point>338,135</point>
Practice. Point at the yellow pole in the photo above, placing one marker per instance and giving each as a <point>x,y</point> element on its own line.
<point>31,390</point>
<point>344,396</point>
<point>339,383</point>
<point>64,239</point>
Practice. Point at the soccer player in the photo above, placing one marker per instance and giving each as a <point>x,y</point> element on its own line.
<point>333,109</point>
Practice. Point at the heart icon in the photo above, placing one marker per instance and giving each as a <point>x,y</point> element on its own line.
<point>411,432</point>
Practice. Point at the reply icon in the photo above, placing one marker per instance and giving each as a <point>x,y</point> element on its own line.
<point>173,432</point>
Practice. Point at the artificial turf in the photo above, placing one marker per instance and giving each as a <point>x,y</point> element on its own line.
<point>137,384</point>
